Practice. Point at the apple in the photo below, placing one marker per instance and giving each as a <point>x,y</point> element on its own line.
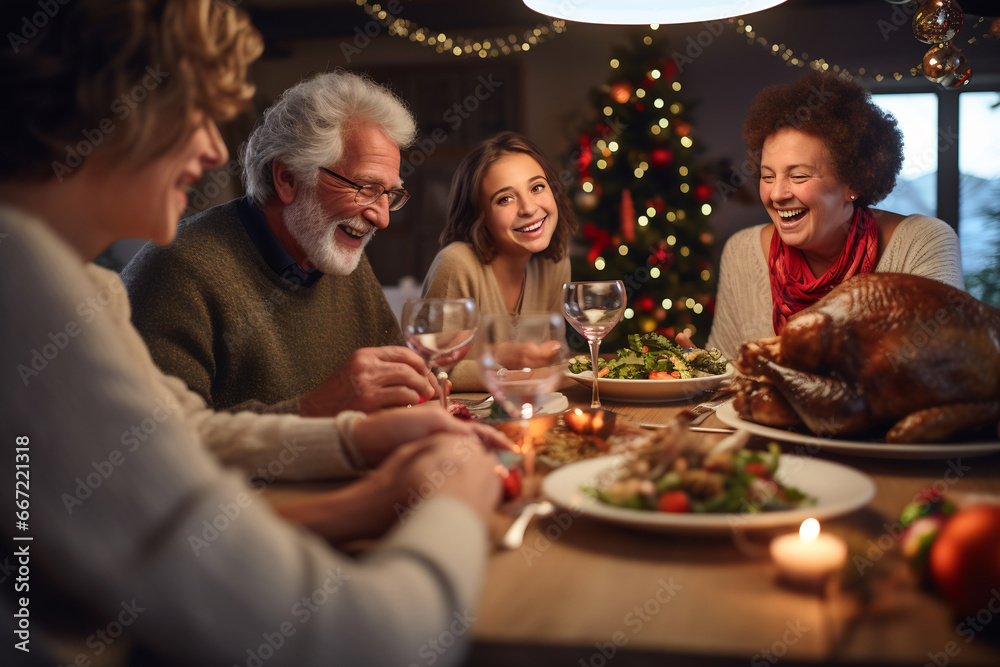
<point>965,558</point>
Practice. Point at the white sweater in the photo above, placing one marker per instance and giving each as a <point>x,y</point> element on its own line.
<point>129,507</point>
<point>920,245</point>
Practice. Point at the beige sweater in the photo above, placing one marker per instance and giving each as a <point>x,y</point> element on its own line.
<point>458,273</point>
<point>920,245</point>
<point>128,507</point>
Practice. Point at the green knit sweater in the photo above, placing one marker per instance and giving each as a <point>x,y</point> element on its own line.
<point>216,315</point>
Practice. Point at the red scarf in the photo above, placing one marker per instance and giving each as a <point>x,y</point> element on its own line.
<point>793,285</point>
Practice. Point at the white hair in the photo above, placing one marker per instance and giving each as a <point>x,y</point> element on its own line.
<point>304,128</point>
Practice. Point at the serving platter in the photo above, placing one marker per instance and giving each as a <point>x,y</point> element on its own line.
<point>838,490</point>
<point>809,443</point>
<point>652,391</point>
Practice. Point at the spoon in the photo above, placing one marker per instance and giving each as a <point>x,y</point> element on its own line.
<point>514,536</point>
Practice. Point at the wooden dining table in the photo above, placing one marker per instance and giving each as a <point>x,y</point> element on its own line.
<point>581,591</point>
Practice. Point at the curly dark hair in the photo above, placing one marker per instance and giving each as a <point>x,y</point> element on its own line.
<point>466,213</point>
<point>69,89</point>
<point>863,140</point>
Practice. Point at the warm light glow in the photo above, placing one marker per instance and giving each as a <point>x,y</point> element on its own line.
<point>809,530</point>
<point>654,272</point>
<point>599,264</point>
<point>706,209</point>
<point>667,304</point>
<point>645,12</point>
<point>629,313</point>
<point>623,250</point>
<point>643,221</point>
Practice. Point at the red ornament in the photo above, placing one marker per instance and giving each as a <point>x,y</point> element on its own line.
<point>669,71</point>
<point>599,238</point>
<point>661,157</point>
<point>640,107</point>
<point>585,158</point>
<point>644,304</point>
<point>627,217</point>
<point>667,331</point>
<point>702,193</point>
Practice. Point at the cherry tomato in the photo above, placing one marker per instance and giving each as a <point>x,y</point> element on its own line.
<point>512,484</point>
<point>674,501</point>
<point>659,375</point>
<point>758,469</point>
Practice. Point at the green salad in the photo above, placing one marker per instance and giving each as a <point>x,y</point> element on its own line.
<point>741,481</point>
<point>655,357</point>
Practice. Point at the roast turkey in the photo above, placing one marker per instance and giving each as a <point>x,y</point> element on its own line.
<point>886,355</point>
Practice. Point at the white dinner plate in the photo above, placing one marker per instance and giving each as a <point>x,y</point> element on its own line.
<point>652,391</point>
<point>837,489</point>
<point>870,448</point>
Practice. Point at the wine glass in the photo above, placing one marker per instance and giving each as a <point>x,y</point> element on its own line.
<point>442,332</point>
<point>594,308</point>
<point>523,359</point>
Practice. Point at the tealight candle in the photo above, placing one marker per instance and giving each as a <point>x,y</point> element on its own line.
<point>808,558</point>
<point>590,421</point>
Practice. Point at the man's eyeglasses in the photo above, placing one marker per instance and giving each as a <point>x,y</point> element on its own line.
<point>369,193</point>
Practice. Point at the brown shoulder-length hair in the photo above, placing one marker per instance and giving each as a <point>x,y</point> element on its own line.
<point>118,75</point>
<point>466,210</point>
<point>864,141</point>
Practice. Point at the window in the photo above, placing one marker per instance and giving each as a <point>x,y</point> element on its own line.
<point>951,170</point>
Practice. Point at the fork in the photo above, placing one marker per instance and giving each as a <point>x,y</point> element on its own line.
<point>704,410</point>
<point>475,405</point>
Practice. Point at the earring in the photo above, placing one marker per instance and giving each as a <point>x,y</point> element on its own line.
<point>853,197</point>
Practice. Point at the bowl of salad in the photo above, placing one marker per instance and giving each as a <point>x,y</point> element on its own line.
<point>654,369</point>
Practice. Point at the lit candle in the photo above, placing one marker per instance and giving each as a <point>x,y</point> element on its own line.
<point>590,421</point>
<point>808,558</point>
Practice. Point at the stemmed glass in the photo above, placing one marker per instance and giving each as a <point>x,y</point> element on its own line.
<point>442,332</point>
<point>523,359</point>
<point>594,308</point>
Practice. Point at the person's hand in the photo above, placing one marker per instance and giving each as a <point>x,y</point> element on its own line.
<point>371,379</point>
<point>684,339</point>
<point>452,465</point>
<point>447,463</point>
<point>379,434</point>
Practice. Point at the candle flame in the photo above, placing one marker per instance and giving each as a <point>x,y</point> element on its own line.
<point>809,530</point>
<point>577,411</point>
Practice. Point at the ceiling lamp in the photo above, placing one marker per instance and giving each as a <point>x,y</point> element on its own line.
<point>638,12</point>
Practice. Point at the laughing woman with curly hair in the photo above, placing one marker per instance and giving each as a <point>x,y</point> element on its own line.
<point>824,154</point>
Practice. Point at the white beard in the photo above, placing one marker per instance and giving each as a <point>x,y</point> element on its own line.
<point>314,231</point>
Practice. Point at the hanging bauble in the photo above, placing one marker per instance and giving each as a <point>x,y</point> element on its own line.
<point>667,332</point>
<point>585,156</point>
<point>621,92</point>
<point>627,216</point>
<point>661,157</point>
<point>702,193</point>
<point>644,303</point>
<point>946,65</point>
<point>937,21</point>
<point>586,201</point>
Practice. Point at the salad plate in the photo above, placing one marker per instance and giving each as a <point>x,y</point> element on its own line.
<point>810,443</point>
<point>653,391</point>
<point>837,490</point>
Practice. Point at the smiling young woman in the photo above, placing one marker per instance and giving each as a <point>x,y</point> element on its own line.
<point>506,240</point>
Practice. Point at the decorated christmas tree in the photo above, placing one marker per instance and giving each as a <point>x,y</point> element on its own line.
<point>644,199</point>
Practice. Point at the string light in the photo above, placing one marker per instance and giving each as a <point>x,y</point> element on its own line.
<point>820,64</point>
<point>463,46</point>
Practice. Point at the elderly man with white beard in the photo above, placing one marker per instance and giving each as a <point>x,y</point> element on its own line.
<point>268,302</point>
